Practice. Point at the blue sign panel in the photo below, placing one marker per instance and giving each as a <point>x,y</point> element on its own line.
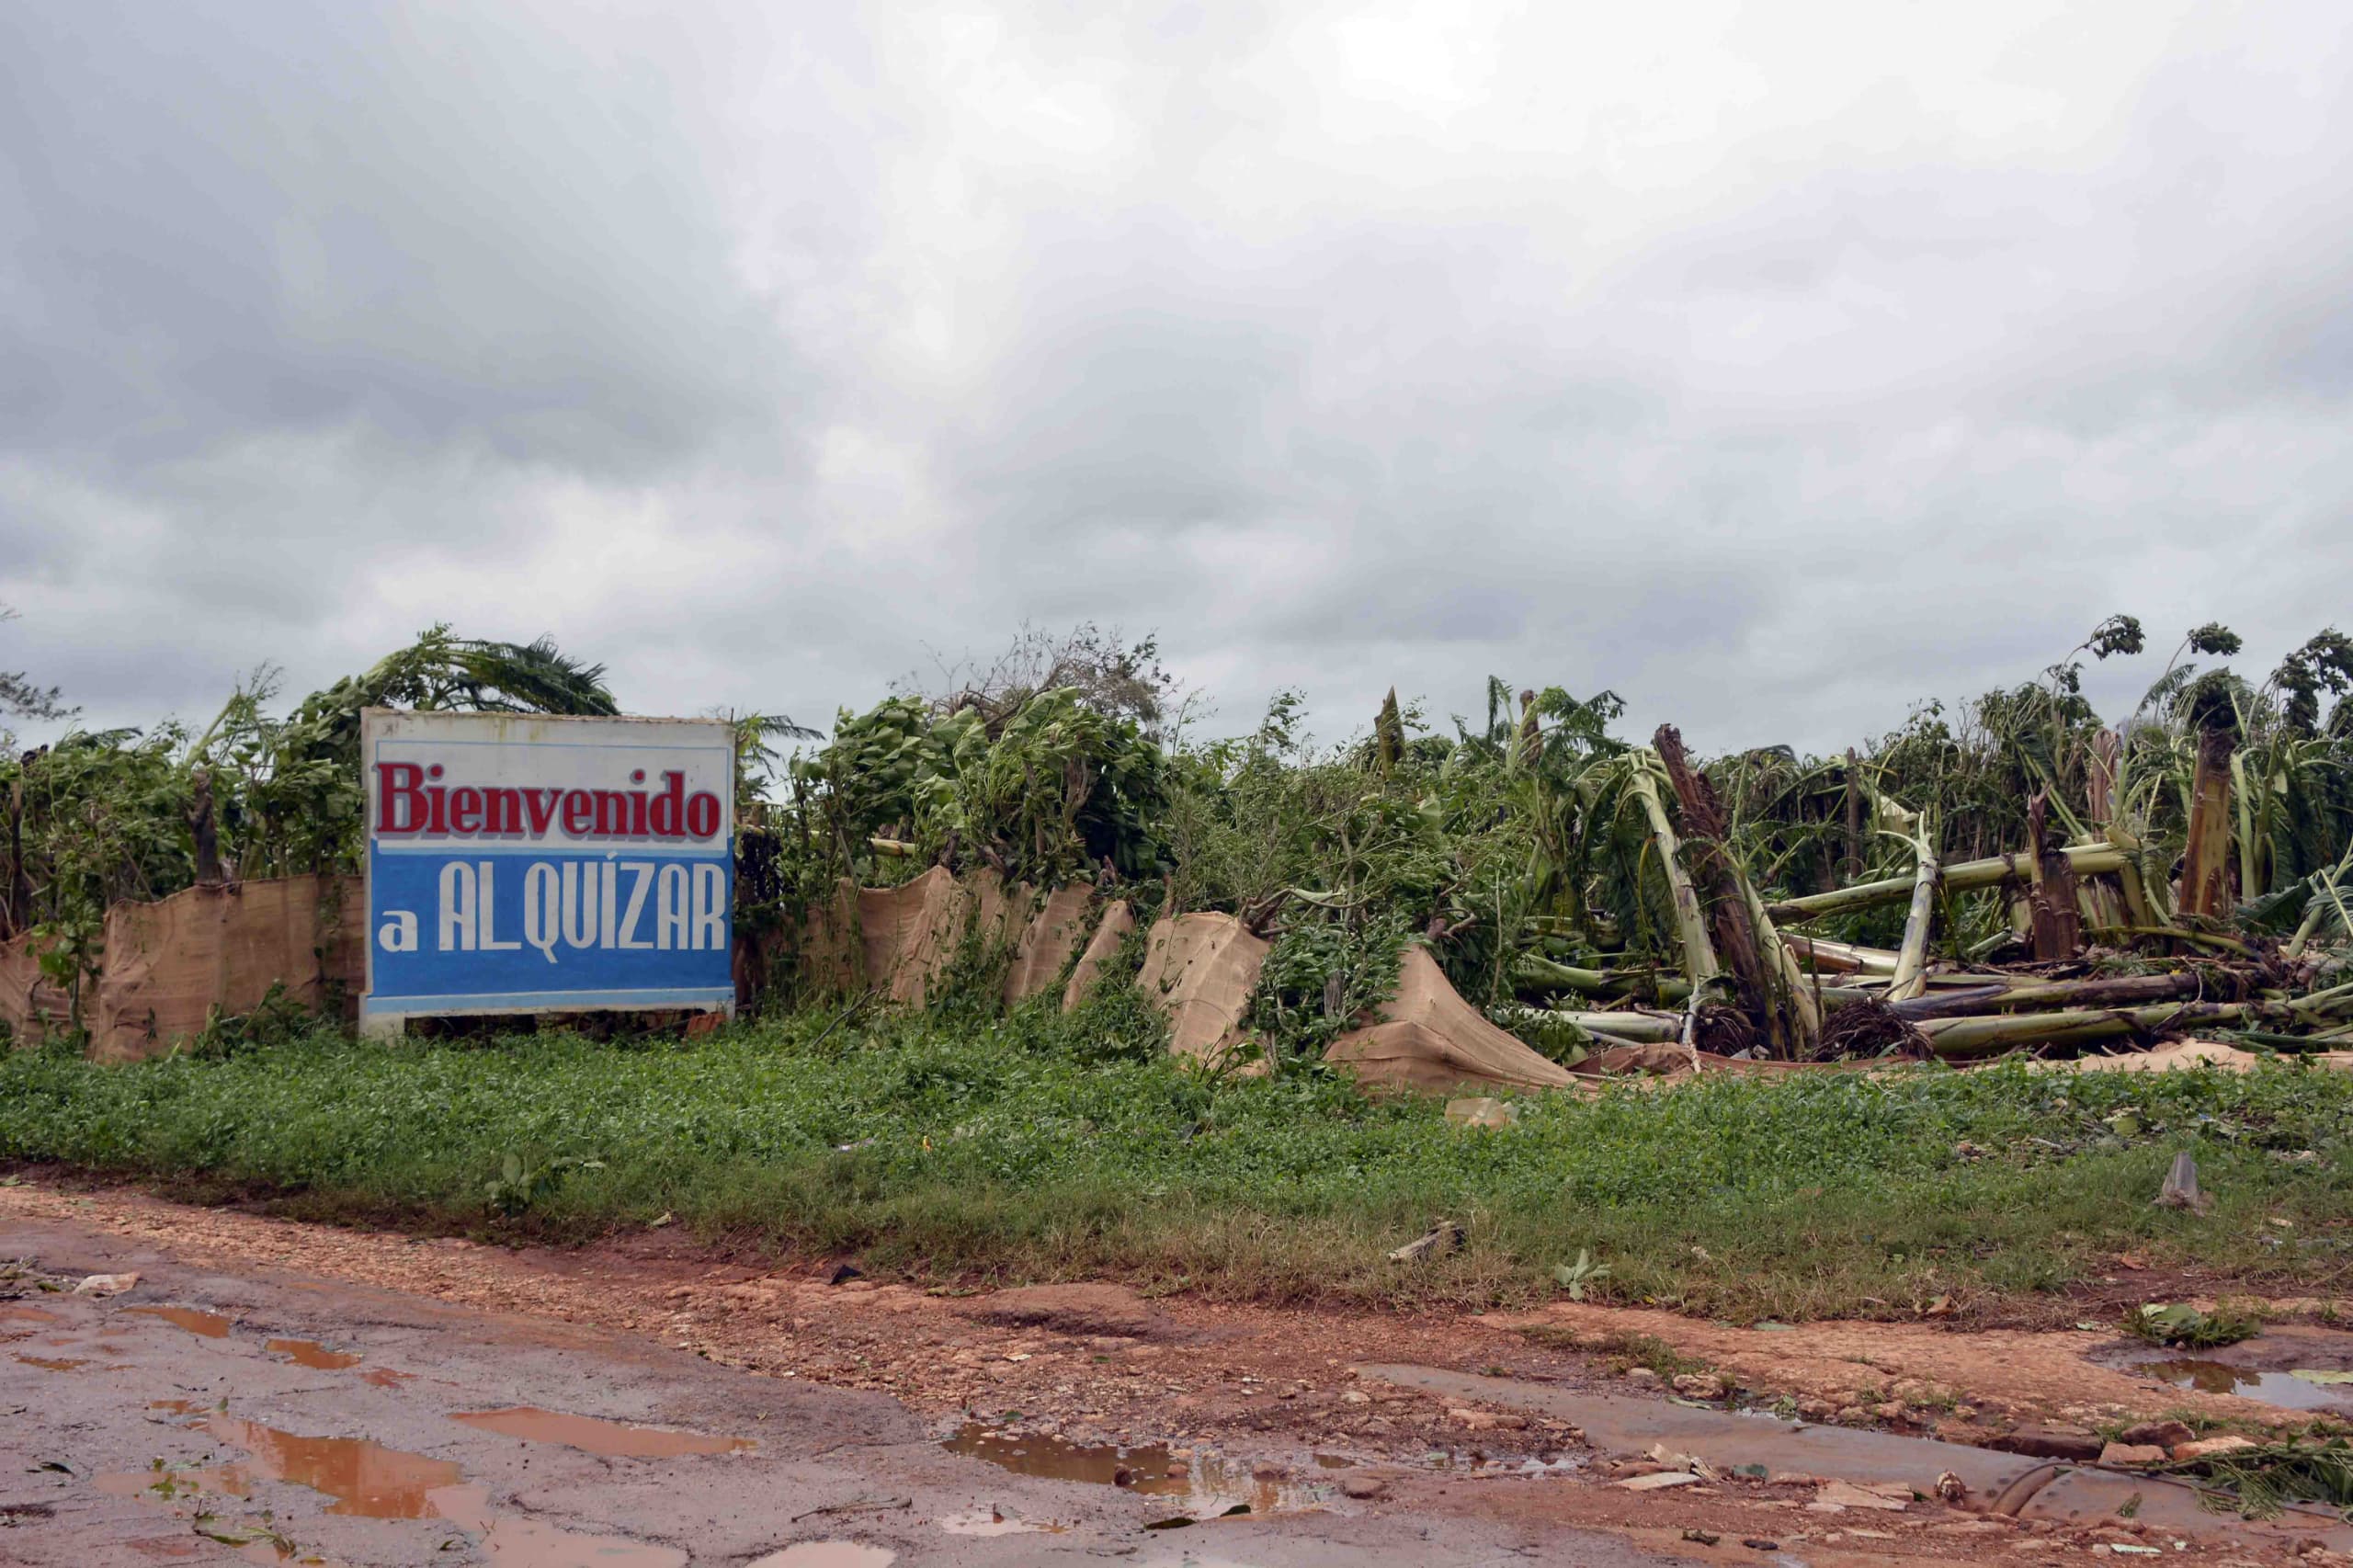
<point>525,864</point>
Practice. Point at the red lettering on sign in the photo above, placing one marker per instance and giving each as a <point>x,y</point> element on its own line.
<point>502,811</point>
<point>668,817</point>
<point>612,814</point>
<point>406,804</point>
<point>400,797</point>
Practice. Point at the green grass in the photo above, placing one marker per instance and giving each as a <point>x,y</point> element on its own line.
<point>1039,1147</point>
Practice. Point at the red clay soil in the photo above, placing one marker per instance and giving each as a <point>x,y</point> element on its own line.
<point>1097,1364</point>
<point>1103,1361</point>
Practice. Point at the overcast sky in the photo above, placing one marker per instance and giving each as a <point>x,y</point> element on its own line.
<point>1776,364</point>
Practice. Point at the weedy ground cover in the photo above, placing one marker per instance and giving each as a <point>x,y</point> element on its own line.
<point>1037,1146</point>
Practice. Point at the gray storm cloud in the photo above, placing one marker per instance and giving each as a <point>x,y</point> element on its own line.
<point>1774,367</point>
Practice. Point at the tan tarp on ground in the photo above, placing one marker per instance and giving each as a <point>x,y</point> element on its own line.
<point>910,934</point>
<point>1200,970</point>
<point>28,1001</point>
<point>1055,924</point>
<point>1109,932</point>
<point>168,965</point>
<point>897,940</point>
<point>829,957</point>
<point>1430,1040</point>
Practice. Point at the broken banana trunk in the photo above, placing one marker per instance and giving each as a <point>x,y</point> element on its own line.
<point>1769,986</point>
<point>1968,876</point>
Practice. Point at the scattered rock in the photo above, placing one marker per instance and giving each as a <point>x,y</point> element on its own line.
<point>1487,1420</point>
<point>1657,1481</point>
<point>1792,1478</point>
<point>842,1273</point>
<point>1951,1488</point>
<point>1699,1385</point>
<point>1356,1396</point>
<point>2049,1443</point>
<point>1642,1376</point>
<point>105,1284</point>
<point>1889,1411</point>
<point>2132,1456</point>
<point>1361,1486</point>
<point>1758,1543</point>
<point>2205,1447</point>
<point>2164,1434</point>
<point>1817,1409</point>
<point>1847,1494</point>
<point>1101,1311</point>
<point>1442,1238</point>
<point>1701,1537</point>
<point>1480,1113</point>
<point>1854,1415</point>
<point>2180,1189</point>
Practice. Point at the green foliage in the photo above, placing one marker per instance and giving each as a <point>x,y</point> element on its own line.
<point>1574,1278</point>
<point>1043,1146</point>
<point>1320,979</point>
<point>1524,834</point>
<point>1042,791</point>
<point>2258,1483</point>
<point>277,1020</point>
<point>2184,1325</point>
<point>523,1183</point>
<point>106,815</point>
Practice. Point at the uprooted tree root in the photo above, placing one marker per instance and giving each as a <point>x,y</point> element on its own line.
<point>1868,1029</point>
<point>1724,1031</point>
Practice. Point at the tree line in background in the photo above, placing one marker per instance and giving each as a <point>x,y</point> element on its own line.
<point>1525,845</point>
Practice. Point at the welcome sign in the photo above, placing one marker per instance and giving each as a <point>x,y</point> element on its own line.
<point>528,864</point>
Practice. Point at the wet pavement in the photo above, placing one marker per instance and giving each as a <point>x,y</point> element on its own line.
<point>2014,1486</point>
<point>268,1417</point>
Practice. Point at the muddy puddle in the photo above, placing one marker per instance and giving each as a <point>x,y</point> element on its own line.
<point>211,1326</point>
<point>311,1353</point>
<point>366,1480</point>
<point>1201,1485</point>
<point>12,1312</point>
<point>828,1554</point>
<point>2290,1390</point>
<point>55,1363</point>
<point>611,1439</point>
<point>385,1378</point>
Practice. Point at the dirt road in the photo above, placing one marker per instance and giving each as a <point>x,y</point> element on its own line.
<point>270,1392</point>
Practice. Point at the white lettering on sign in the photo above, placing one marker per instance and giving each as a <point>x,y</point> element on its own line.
<point>573,906</point>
